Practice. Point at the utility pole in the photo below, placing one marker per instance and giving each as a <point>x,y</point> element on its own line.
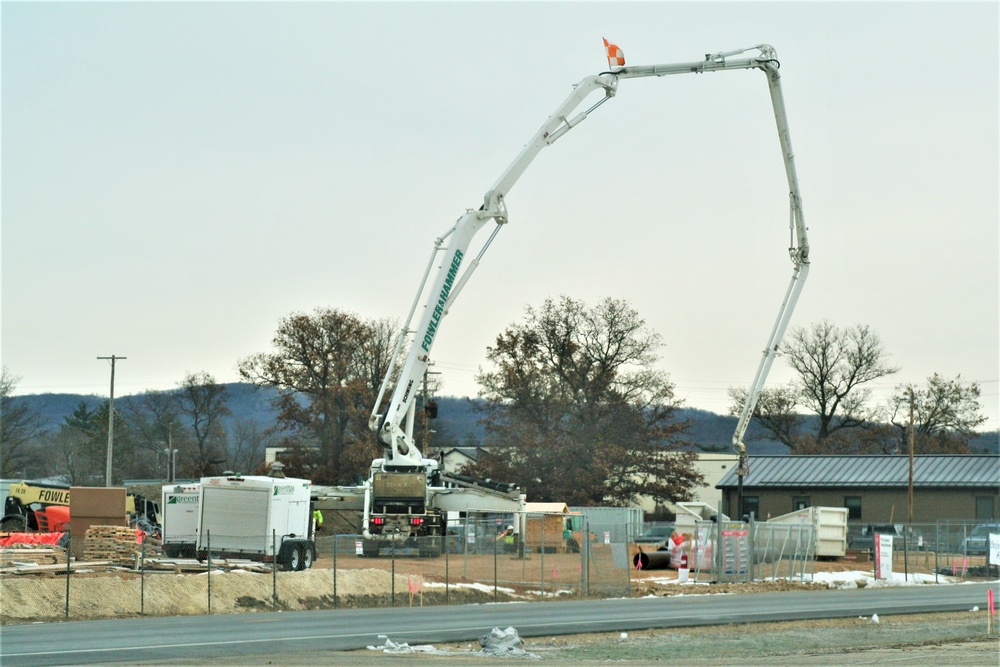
<point>430,410</point>
<point>171,454</point>
<point>111,419</point>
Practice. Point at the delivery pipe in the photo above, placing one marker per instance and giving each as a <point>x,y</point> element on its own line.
<point>651,560</point>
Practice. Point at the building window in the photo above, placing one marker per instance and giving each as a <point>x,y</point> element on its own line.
<point>751,505</point>
<point>853,505</point>
<point>984,508</point>
<point>800,503</point>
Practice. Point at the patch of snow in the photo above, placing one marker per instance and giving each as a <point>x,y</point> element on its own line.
<point>859,579</point>
<point>485,588</point>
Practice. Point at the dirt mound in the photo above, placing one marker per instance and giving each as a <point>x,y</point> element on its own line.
<point>121,595</point>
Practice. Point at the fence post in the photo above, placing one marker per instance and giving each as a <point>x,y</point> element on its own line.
<point>628,560</point>
<point>541,550</point>
<point>937,549</point>
<point>334,571</point>
<point>906,554</point>
<point>495,540</point>
<point>393,580</point>
<point>274,569</point>
<point>142,576</point>
<point>208,570</point>
<point>69,554</point>
<point>447,579</point>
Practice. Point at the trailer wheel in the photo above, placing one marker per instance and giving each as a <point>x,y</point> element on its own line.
<point>306,560</point>
<point>293,560</point>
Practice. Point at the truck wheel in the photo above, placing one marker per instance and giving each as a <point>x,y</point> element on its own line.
<point>306,560</point>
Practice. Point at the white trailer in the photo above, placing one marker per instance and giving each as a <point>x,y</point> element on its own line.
<point>830,524</point>
<point>179,519</point>
<point>261,518</point>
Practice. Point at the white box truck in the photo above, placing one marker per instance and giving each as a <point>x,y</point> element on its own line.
<point>179,519</point>
<point>260,518</point>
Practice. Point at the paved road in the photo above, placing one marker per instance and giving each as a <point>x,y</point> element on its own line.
<point>199,638</point>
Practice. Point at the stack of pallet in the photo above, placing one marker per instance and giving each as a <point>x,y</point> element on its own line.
<point>113,543</point>
<point>37,554</point>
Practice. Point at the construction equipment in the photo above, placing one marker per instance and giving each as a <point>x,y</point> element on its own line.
<point>399,490</point>
<point>44,506</point>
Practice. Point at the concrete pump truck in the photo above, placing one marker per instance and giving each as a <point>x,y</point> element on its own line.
<point>407,494</point>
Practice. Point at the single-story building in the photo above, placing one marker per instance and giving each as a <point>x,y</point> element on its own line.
<point>874,489</point>
<point>713,466</point>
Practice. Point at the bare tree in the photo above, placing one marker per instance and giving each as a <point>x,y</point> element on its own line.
<point>945,416</point>
<point>20,429</point>
<point>574,410</point>
<point>327,368</point>
<point>202,402</point>
<point>70,446</point>
<point>834,367</point>
<point>155,421</point>
<point>247,445</point>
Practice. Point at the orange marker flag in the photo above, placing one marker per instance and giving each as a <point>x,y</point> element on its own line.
<point>615,56</point>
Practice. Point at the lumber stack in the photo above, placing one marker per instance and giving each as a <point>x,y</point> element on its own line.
<point>32,554</point>
<point>113,543</point>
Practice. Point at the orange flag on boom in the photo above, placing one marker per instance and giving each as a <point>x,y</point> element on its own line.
<point>615,56</point>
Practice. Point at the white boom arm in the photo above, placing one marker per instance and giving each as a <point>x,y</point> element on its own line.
<point>395,429</point>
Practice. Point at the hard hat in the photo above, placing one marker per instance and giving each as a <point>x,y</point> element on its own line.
<point>510,527</point>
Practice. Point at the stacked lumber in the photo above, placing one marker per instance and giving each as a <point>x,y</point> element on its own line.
<point>113,543</point>
<point>32,554</point>
<point>179,565</point>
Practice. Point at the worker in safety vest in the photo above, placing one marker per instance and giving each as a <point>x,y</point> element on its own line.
<point>508,539</point>
<point>317,520</point>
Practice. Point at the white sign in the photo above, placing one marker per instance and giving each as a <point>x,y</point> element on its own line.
<point>358,549</point>
<point>607,537</point>
<point>994,558</point>
<point>883,556</point>
<point>472,538</point>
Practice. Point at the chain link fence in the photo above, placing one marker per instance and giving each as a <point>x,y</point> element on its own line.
<point>483,557</point>
<point>954,549</point>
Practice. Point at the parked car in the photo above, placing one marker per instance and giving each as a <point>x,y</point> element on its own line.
<point>866,540</point>
<point>978,541</point>
<point>655,534</point>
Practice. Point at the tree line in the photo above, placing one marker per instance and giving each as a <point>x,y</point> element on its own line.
<point>573,406</point>
<point>189,419</point>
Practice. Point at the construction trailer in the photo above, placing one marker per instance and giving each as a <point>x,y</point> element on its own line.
<point>179,505</point>
<point>258,518</point>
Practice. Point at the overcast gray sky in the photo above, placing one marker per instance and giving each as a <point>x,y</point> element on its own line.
<point>177,177</point>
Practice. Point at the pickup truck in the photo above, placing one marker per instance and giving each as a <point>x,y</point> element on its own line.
<point>977,541</point>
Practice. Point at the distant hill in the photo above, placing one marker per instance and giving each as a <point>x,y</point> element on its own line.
<point>457,418</point>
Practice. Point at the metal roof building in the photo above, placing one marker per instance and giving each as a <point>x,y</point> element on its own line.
<point>874,488</point>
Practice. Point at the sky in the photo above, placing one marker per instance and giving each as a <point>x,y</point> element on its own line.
<point>179,177</point>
